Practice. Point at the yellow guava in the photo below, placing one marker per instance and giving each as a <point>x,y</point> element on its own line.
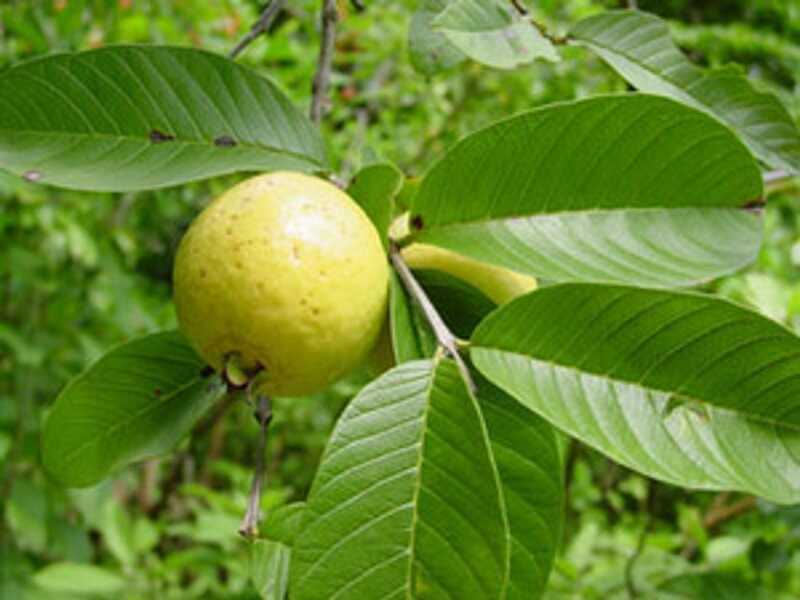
<point>286,274</point>
<point>499,284</point>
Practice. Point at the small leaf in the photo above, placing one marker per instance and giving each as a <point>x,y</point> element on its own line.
<point>631,188</point>
<point>639,47</point>
<point>374,188</point>
<point>284,523</point>
<point>84,580</point>
<point>493,33</point>
<point>682,387</point>
<point>137,401</point>
<point>412,338</point>
<point>406,502</point>
<point>139,117</point>
<point>461,306</point>
<point>430,51</point>
<point>269,569</point>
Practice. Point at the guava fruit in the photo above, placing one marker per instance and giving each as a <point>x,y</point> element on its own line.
<point>499,284</point>
<point>285,275</point>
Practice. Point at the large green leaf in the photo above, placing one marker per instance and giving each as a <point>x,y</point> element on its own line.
<point>137,401</point>
<point>685,388</point>
<point>406,502</point>
<point>527,457</point>
<point>137,117</point>
<point>639,47</point>
<point>492,32</point>
<point>632,188</point>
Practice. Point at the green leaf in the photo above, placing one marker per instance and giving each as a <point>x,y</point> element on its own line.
<point>83,580</point>
<point>631,188</point>
<point>528,461</point>
<point>138,117</point>
<point>682,387</point>
<point>374,188</point>
<point>711,586</point>
<point>639,47</point>
<point>406,502</point>
<point>269,569</point>
<point>284,523</point>
<point>493,33</point>
<point>412,338</point>
<point>137,401</point>
<point>26,513</point>
<point>429,50</point>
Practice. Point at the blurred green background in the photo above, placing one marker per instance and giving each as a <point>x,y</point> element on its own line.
<point>81,272</point>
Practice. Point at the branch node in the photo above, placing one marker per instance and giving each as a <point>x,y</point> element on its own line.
<point>448,342</point>
<point>262,25</point>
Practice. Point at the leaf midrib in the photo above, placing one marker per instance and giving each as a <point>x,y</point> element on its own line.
<point>487,221</point>
<point>178,140</point>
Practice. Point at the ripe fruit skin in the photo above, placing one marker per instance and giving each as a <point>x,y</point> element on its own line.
<point>500,285</point>
<point>287,271</point>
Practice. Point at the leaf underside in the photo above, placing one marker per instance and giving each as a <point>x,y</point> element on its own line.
<point>684,388</point>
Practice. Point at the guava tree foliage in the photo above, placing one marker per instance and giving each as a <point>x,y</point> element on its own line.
<point>443,477</point>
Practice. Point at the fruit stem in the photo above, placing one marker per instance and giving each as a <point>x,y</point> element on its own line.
<point>447,341</point>
<point>263,414</point>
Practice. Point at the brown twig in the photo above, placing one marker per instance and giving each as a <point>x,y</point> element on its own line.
<point>262,25</point>
<point>329,15</point>
<point>263,414</point>
<point>447,341</point>
<point>721,512</point>
<point>519,7</point>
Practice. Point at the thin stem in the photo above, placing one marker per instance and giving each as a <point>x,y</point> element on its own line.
<point>263,24</point>
<point>328,17</point>
<point>447,341</point>
<point>630,565</point>
<point>263,414</point>
<point>519,7</point>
